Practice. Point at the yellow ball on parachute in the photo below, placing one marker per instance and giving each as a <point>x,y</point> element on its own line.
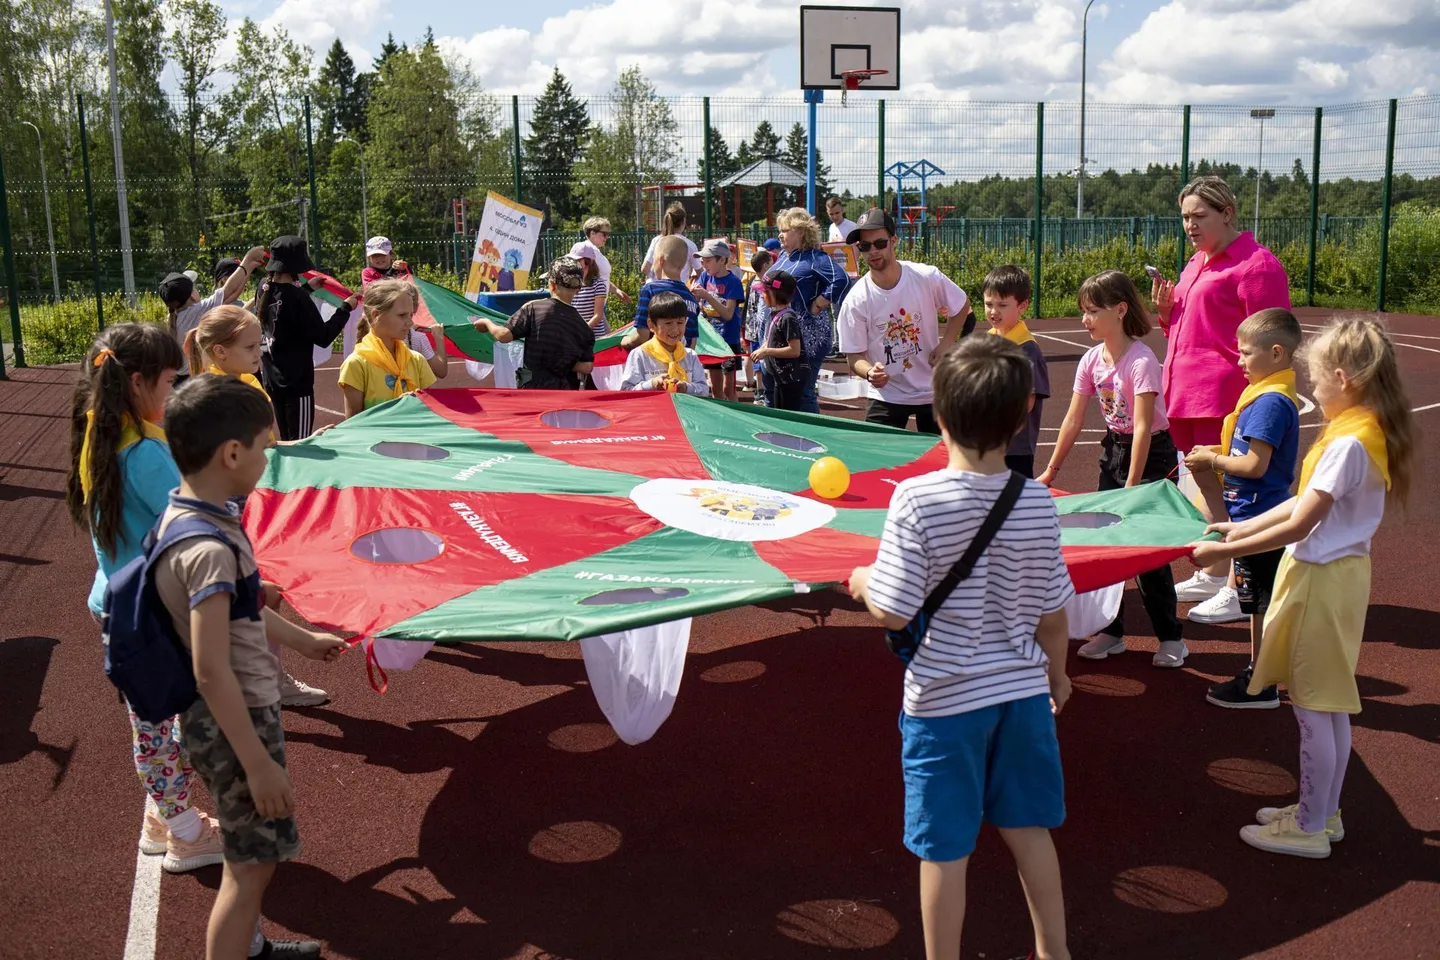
<point>829,478</point>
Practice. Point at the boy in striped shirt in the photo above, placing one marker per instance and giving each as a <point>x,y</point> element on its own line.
<point>977,729</point>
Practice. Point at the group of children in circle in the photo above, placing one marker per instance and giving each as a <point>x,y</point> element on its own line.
<point>1305,558</point>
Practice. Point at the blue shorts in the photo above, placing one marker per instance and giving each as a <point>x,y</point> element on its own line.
<point>999,764</point>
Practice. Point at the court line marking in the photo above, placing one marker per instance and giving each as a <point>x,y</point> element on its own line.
<point>144,906</point>
<point>1394,333</point>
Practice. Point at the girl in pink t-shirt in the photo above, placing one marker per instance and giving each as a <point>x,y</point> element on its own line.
<point>1137,448</point>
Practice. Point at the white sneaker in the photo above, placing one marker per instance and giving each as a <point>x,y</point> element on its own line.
<point>1201,586</point>
<point>1172,654</point>
<point>1224,607</point>
<point>297,693</point>
<point>1101,646</point>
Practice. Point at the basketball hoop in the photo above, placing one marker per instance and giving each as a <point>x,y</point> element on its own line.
<point>853,78</point>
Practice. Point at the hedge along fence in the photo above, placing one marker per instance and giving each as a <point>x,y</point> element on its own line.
<point>1344,277</point>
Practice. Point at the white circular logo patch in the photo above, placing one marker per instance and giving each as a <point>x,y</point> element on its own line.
<point>730,511</point>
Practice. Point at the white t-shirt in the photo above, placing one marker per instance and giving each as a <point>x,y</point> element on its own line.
<point>839,231</point>
<point>899,327</point>
<point>691,266</point>
<point>980,649</point>
<point>188,317</point>
<point>1346,472</point>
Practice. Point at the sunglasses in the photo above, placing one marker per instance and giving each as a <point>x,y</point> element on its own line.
<point>865,246</point>
<point>603,233</point>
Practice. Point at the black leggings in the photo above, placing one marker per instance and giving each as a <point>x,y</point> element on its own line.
<point>1157,587</point>
<point>295,416</point>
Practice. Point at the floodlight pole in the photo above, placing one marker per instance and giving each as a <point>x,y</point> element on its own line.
<point>127,264</point>
<point>49,225</point>
<point>812,98</point>
<point>1262,116</point>
<point>1080,180</point>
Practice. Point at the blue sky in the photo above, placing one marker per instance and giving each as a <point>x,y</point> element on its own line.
<point>1160,51</point>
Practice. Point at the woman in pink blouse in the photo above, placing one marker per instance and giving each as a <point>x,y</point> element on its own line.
<point>1229,278</point>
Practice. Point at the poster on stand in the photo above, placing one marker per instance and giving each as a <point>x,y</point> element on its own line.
<point>504,247</point>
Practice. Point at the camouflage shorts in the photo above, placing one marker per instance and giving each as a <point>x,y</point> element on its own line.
<point>249,837</point>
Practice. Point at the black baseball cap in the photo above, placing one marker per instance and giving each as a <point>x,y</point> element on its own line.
<point>779,281</point>
<point>175,289</point>
<point>872,219</point>
<point>224,268</point>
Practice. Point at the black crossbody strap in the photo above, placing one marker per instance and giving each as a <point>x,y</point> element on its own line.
<point>993,521</point>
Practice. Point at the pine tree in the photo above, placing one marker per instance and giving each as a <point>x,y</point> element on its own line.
<point>764,142</point>
<point>559,127</point>
<point>335,91</point>
<point>725,165</point>
<point>388,49</point>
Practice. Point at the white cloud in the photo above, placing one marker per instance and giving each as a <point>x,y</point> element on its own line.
<point>316,23</point>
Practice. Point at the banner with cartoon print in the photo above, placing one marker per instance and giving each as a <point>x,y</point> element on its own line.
<point>504,247</point>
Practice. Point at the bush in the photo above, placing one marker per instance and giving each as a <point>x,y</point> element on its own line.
<point>61,332</point>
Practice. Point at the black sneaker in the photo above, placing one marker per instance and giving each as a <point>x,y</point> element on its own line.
<point>1234,695</point>
<point>288,949</point>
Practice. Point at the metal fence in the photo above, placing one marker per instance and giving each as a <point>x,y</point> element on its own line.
<point>1320,186</point>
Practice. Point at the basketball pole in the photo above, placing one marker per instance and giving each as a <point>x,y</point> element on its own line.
<point>812,98</point>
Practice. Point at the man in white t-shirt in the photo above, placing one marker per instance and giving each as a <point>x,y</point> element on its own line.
<point>840,228</point>
<point>890,325</point>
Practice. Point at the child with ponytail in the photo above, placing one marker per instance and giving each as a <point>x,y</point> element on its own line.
<point>1313,628</point>
<point>383,366</point>
<point>120,478</point>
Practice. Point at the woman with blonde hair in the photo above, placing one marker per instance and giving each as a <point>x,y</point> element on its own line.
<point>1229,278</point>
<point>820,284</point>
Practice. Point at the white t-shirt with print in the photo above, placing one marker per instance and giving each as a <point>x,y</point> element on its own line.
<point>899,327</point>
<point>839,231</point>
<point>1346,472</point>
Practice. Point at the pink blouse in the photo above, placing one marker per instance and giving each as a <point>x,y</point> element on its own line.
<point>1202,374</point>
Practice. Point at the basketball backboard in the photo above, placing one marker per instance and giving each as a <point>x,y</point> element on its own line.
<point>836,39</point>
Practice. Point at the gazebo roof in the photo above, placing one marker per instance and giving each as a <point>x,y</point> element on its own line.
<point>765,172</point>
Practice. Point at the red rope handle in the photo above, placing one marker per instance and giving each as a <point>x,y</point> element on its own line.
<point>372,666</point>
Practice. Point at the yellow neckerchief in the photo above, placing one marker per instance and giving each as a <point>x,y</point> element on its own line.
<point>373,351</point>
<point>1018,334</point>
<point>656,350</point>
<point>246,378</point>
<point>1281,381</point>
<point>129,436</point>
<point>1362,424</point>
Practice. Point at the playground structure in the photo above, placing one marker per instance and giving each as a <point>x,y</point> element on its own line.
<point>653,200</point>
<point>911,217</point>
<point>768,173</point>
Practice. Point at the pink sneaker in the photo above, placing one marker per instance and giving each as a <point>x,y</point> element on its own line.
<point>204,851</point>
<point>153,835</point>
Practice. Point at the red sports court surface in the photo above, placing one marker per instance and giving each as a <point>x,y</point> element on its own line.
<point>484,809</point>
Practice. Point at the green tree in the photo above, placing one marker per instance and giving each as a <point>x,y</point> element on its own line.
<point>147,125</point>
<point>193,47</point>
<point>725,166</point>
<point>637,148</point>
<point>338,97</point>
<point>418,157</point>
<point>764,142</point>
<point>559,125</point>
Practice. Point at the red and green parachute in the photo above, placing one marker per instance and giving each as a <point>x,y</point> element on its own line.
<point>452,312</point>
<point>470,514</point>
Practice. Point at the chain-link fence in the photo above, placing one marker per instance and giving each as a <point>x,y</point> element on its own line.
<point>1346,196</point>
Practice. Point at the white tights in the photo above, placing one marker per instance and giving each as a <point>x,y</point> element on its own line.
<point>1324,755</point>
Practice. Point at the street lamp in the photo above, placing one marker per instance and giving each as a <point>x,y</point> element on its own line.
<point>49,227</point>
<point>364,197</point>
<point>1080,180</point>
<point>1262,116</point>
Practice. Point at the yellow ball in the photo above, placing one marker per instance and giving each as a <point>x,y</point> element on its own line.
<point>829,478</point>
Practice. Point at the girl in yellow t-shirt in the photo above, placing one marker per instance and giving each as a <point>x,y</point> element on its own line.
<point>382,367</point>
<point>226,342</point>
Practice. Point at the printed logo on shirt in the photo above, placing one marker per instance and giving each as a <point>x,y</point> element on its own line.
<point>1112,404</point>
<point>901,339</point>
<point>730,511</point>
<point>389,381</point>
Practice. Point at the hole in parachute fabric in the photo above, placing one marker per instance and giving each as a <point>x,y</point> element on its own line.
<point>1088,521</point>
<point>635,595</point>
<point>398,545</point>
<point>790,442</point>
<point>574,419</point>
<point>405,450</point>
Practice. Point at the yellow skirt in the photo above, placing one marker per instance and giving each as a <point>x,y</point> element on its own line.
<point>1312,632</point>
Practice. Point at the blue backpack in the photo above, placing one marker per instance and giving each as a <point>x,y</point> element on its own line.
<point>144,656</point>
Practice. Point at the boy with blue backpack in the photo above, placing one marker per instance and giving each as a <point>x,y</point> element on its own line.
<point>971,583</point>
<point>198,586</point>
